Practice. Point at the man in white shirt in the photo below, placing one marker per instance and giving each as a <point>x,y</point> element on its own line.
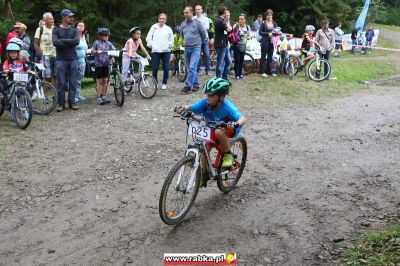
<point>204,46</point>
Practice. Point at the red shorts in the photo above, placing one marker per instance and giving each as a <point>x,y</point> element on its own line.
<point>230,133</point>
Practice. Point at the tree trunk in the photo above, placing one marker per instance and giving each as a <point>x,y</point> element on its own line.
<point>8,10</point>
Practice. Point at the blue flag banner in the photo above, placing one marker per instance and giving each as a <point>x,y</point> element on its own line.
<point>363,16</point>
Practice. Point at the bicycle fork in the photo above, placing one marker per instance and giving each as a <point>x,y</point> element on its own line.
<point>192,178</point>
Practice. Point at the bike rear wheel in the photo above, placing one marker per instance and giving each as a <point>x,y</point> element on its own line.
<point>130,82</point>
<point>182,70</point>
<point>316,69</point>
<point>118,88</point>
<point>227,180</point>
<point>175,200</point>
<point>45,100</point>
<point>249,65</point>
<point>2,104</point>
<point>147,86</point>
<point>22,108</point>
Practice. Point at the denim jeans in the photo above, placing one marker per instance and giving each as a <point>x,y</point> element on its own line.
<point>206,57</point>
<point>327,56</point>
<point>267,49</point>
<point>353,45</point>
<point>239,59</point>
<point>79,75</point>
<point>66,72</point>
<point>192,55</point>
<point>156,58</point>
<point>223,62</point>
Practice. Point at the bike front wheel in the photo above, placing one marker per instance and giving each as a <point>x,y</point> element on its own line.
<point>177,195</point>
<point>319,70</point>
<point>22,108</point>
<point>44,98</point>
<point>118,88</point>
<point>147,86</point>
<point>227,179</point>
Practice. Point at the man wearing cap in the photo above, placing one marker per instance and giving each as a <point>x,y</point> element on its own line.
<point>27,45</point>
<point>65,39</point>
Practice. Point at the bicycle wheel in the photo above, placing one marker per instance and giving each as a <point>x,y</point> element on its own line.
<point>44,98</point>
<point>118,88</point>
<point>182,70</point>
<point>22,108</point>
<point>316,69</point>
<point>293,66</point>
<point>249,65</point>
<point>147,86</point>
<point>175,199</point>
<point>128,86</point>
<point>2,104</point>
<point>227,180</point>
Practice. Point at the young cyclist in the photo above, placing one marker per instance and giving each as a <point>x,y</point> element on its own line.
<point>307,46</point>
<point>13,62</point>
<point>130,49</point>
<point>100,49</point>
<point>283,48</point>
<point>215,107</point>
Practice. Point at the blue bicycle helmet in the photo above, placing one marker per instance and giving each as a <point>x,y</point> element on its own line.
<point>103,31</point>
<point>13,47</point>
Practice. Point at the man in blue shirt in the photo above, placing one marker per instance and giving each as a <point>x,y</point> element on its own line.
<point>194,35</point>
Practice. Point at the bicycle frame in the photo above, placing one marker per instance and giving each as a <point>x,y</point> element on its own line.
<point>201,147</point>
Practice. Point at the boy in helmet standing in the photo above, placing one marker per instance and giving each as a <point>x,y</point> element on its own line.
<point>100,48</point>
<point>215,107</point>
<point>65,38</point>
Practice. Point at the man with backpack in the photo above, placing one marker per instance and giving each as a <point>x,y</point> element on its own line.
<point>45,48</point>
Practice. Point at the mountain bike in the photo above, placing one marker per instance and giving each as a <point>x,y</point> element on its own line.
<point>15,98</point>
<point>182,184</point>
<point>314,67</point>
<point>147,84</point>
<point>178,65</point>
<point>43,94</point>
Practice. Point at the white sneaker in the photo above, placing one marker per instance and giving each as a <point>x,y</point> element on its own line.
<point>164,86</point>
<point>274,75</point>
<point>264,75</point>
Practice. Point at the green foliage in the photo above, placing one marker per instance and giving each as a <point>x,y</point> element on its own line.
<point>376,248</point>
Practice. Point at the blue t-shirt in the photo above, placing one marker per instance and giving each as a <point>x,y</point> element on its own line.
<point>225,112</point>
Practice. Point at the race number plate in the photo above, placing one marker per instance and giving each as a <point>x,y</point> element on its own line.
<point>199,131</point>
<point>21,77</point>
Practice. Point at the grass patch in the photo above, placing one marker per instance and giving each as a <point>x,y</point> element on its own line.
<point>376,248</point>
<point>388,27</point>
<point>348,75</point>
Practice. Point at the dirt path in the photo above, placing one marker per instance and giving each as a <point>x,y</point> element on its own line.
<point>82,188</point>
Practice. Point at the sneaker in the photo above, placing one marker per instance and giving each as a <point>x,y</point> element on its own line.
<point>237,78</point>
<point>105,99</point>
<point>60,108</point>
<point>273,74</point>
<point>204,178</point>
<point>241,76</point>
<point>185,90</point>
<point>264,75</point>
<point>73,107</point>
<point>100,101</point>
<point>164,86</point>
<point>227,161</point>
<point>82,98</point>
<point>196,88</point>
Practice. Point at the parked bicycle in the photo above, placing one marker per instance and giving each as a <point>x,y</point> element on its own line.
<point>43,94</point>
<point>182,184</point>
<point>147,84</point>
<point>316,68</point>
<point>178,66</point>
<point>15,98</point>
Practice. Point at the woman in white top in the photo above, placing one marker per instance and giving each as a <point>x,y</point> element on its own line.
<point>160,39</point>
